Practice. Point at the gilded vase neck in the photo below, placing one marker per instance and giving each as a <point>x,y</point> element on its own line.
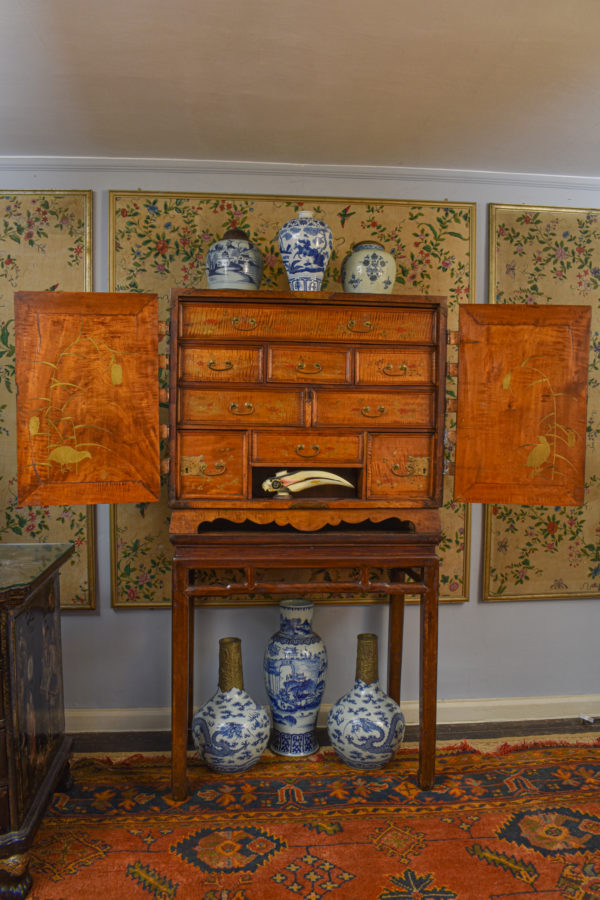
<point>367,663</point>
<point>230,664</point>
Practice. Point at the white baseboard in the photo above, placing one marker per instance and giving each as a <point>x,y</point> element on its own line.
<point>497,709</point>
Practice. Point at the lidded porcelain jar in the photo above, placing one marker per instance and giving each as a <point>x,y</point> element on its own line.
<point>369,268</point>
<point>366,726</point>
<point>305,245</point>
<point>234,263</point>
<point>231,731</point>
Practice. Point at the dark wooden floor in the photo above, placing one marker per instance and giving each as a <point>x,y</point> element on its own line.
<point>160,741</point>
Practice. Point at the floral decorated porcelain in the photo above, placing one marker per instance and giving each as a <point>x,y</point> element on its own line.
<point>234,263</point>
<point>305,244</point>
<point>369,269</point>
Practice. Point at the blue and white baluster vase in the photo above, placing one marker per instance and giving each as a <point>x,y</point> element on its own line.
<point>234,263</point>
<point>366,726</point>
<point>369,269</point>
<point>305,245</point>
<point>231,731</point>
<point>295,666</point>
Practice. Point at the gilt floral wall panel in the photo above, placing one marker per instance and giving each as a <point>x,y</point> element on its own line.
<point>159,241</point>
<point>45,244</point>
<point>548,255</point>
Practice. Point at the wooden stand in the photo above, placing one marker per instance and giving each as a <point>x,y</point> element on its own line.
<point>407,551</point>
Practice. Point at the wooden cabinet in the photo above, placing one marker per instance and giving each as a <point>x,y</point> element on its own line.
<point>347,383</point>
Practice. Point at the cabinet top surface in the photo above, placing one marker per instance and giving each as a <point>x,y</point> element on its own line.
<point>21,565</point>
<point>309,298</point>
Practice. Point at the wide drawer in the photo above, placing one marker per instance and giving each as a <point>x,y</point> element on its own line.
<point>293,448</point>
<point>400,466</point>
<point>211,464</point>
<point>289,323</point>
<point>307,364</point>
<point>242,408</point>
<point>394,366</point>
<point>396,409</point>
<point>220,363</point>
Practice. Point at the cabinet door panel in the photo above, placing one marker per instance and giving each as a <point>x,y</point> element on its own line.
<point>308,364</point>
<point>400,467</point>
<point>241,408</point>
<point>294,448</point>
<point>211,464</point>
<point>394,409</point>
<point>220,363</point>
<point>394,366</point>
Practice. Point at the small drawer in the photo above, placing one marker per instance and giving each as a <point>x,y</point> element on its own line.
<point>400,467</point>
<point>314,365</point>
<point>211,464</point>
<point>393,366</point>
<point>241,408</point>
<point>220,363</point>
<point>294,448</point>
<point>395,409</point>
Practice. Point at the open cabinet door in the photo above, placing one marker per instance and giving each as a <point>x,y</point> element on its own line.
<point>521,422</point>
<point>87,397</point>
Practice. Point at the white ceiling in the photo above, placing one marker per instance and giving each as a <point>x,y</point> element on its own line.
<point>509,86</point>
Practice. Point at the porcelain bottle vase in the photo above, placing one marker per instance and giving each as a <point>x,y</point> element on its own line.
<point>366,726</point>
<point>369,268</point>
<point>234,263</point>
<point>295,665</point>
<point>305,245</point>
<point>231,731</point>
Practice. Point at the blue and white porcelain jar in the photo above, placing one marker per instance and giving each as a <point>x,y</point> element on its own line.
<point>295,666</point>
<point>366,726</point>
<point>369,269</point>
<point>234,263</point>
<point>231,731</point>
<point>305,244</point>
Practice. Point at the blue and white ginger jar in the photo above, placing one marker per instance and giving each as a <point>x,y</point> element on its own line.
<point>231,731</point>
<point>365,726</point>
<point>234,263</point>
<point>369,269</point>
<point>305,244</point>
<point>295,665</point>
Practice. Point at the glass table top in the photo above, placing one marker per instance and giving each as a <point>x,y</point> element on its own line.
<point>22,564</point>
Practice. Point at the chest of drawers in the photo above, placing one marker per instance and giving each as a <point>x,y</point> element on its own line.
<point>271,381</point>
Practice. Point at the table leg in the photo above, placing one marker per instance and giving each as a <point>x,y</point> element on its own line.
<point>395,637</point>
<point>428,675</point>
<point>180,675</point>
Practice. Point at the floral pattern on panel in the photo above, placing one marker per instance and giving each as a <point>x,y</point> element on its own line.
<point>160,241</point>
<point>45,244</point>
<point>543,255</point>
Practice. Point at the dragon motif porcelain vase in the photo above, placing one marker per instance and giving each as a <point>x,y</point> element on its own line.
<point>295,666</point>
<point>234,263</point>
<point>231,731</point>
<point>369,269</point>
<point>366,726</point>
<point>305,245</point>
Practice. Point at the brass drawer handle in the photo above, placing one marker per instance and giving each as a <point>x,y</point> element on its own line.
<point>235,410</point>
<point>220,466</point>
<point>366,411</point>
<point>388,369</point>
<point>414,466</point>
<point>351,326</point>
<point>301,367</point>
<point>315,448</point>
<point>227,365</point>
<point>237,323</point>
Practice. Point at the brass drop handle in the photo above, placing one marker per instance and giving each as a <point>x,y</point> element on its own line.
<point>301,367</point>
<point>219,466</point>
<point>366,411</point>
<point>367,327</point>
<point>395,470</point>
<point>235,410</point>
<point>315,448</point>
<point>213,365</point>
<point>388,369</point>
<point>239,325</point>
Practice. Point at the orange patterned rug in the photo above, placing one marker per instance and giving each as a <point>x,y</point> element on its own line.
<point>521,822</point>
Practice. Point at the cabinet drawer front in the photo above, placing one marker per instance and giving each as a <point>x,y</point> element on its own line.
<point>293,448</point>
<point>328,323</point>
<point>220,363</point>
<point>241,408</point>
<point>395,409</point>
<point>393,366</point>
<point>400,466</point>
<point>211,464</point>
<point>317,366</point>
